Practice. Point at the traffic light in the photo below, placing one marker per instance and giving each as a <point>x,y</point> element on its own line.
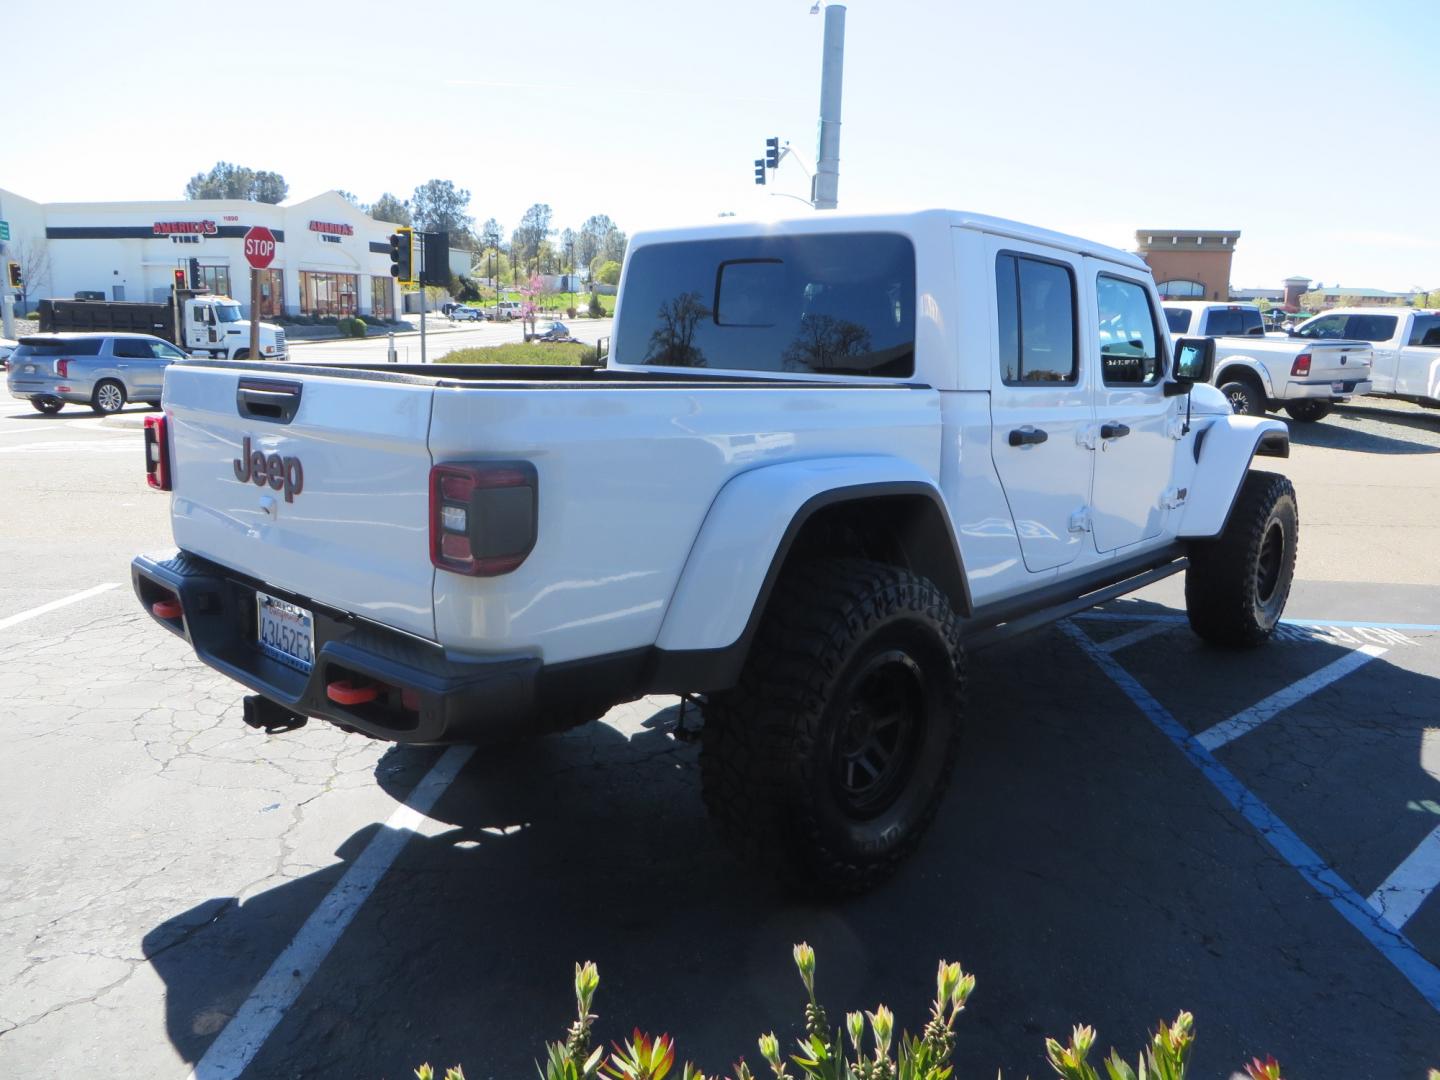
<point>196,282</point>
<point>180,281</point>
<point>759,170</point>
<point>402,255</point>
<point>772,153</point>
<point>12,273</point>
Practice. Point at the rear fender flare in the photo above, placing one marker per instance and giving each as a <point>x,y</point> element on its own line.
<point>1260,371</point>
<point>1224,452</point>
<point>748,530</point>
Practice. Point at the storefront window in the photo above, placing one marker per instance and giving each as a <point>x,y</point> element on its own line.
<point>382,293</point>
<point>329,294</point>
<point>215,279</point>
<point>272,293</point>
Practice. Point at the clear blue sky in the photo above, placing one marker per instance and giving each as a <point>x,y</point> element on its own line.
<point>1096,118</point>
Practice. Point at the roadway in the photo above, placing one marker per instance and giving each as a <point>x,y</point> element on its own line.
<point>442,337</point>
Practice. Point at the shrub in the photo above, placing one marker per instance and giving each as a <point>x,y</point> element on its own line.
<point>873,1052</point>
<point>351,326</point>
<point>597,309</point>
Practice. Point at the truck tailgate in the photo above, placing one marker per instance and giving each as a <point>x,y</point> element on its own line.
<point>340,518</point>
<point>1340,360</point>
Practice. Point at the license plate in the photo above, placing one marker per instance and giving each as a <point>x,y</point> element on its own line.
<point>284,631</point>
<point>1337,387</point>
<point>29,369</point>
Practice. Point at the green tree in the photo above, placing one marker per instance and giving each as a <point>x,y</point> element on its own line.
<point>1312,301</point>
<point>490,235</point>
<point>608,273</point>
<point>349,197</point>
<point>1264,305</point>
<point>614,245</point>
<point>591,238</point>
<point>439,206</point>
<point>227,181</point>
<point>533,229</point>
<point>390,209</point>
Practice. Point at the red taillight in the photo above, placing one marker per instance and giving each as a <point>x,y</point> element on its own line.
<point>1301,366</point>
<point>482,516</point>
<point>62,368</point>
<point>157,453</point>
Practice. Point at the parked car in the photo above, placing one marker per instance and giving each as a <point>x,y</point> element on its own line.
<point>553,330</point>
<point>506,310</point>
<point>830,456</point>
<point>103,371</point>
<point>461,313</point>
<point>1406,343</point>
<point>6,348</point>
<point>1257,372</point>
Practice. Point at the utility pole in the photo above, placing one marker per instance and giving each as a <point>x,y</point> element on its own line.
<point>421,236</point>
<point>826,185</point>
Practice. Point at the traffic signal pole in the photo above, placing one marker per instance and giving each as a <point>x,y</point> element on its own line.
<point>422,294</point>
<point>827,170</point>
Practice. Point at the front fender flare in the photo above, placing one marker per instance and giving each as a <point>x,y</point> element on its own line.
<point>744,536</point>
<point>1223,452</point>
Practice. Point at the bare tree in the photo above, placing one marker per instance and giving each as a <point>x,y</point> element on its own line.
<point>34,259</point>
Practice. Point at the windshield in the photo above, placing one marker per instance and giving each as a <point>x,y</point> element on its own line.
<point>1178,318</point>
<point>227,312</point>
<point>63,347</point>
<point>834,304</point>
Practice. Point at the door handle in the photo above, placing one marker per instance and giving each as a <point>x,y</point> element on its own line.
<point>1114,431</point>
<point>1027,436</point>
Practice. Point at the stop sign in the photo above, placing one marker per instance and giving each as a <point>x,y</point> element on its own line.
<point>259,247</point>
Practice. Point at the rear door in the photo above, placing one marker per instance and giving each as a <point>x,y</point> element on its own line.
<point>1418,370</point>
<point>1382,331</point>
<point>1040,399</point>
<point>345,521</point>
<point>1135,448</point>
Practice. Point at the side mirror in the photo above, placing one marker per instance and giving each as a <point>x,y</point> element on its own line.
<point>1194,362</point>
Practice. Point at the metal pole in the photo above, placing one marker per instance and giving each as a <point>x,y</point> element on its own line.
<point>422,296</point>
<point>390,352</point>
<point>827,171</point>
<point>7,316</point>
<point>254,314</point>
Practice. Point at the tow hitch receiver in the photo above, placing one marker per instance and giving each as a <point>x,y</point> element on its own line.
<point>269,716</point>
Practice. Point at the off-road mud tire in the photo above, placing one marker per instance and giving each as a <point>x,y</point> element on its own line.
<point>776,777</point>
<point>1237,585</point>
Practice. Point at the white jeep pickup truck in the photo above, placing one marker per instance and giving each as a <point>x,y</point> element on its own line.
<point>1256,372</point>
<point>828,457</point>
<point>1406,342</point>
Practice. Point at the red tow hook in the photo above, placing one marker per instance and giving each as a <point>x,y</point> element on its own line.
<point>167,609</point>
<point>345,692</point>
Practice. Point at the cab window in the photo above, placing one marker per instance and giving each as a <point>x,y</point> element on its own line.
<point>1426,330</point>
<point>131,349</point>
<point>1178,319</point>
<point>1129,337</point>
<point>1036,306</point>
<point>1371,327</point>
<point>1326,326</point>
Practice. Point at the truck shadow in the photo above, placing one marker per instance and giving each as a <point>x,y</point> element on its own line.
<point>1079,866</point>
<point>1340,431</point>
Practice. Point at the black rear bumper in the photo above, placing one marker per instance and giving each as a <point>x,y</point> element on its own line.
<point>427,697</point>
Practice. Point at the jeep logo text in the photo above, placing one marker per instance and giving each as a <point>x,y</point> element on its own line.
<point>279,472</point>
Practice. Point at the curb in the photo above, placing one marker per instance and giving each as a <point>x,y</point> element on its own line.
<point>132,421</point>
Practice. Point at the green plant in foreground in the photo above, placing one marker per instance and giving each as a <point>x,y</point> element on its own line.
<point>859,1050</point>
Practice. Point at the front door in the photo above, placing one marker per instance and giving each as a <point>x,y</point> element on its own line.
<point>1040,399</point>
<point>1136,424</point>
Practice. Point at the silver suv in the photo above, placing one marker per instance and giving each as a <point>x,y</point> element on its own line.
<point>103,371</point>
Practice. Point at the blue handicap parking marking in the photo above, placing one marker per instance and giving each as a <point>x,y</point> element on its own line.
<point>1340,745</point>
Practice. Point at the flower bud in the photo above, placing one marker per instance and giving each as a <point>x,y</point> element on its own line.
<point>882,1024</point>
<point>805,961</point>
<point>855,1023</point>
<point>770,1048</point>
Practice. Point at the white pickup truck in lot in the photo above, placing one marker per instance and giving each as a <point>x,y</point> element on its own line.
<point>1406,343</point>
<point>1257,373</point>
<point>828,458</point>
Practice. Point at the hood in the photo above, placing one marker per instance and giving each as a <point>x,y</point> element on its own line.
<point>1207,400</point>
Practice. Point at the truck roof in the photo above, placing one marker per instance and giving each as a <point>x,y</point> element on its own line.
<point>1376,309</point>
<point>912,222</point>
<point>1198,305</point>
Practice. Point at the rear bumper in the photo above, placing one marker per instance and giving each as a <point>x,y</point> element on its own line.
<point>1324,389</point>
<point>428,698</point>
<point>77,391</point>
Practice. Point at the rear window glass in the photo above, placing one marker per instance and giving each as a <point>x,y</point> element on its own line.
<point>1371,327</point>
<point>837,304</point>
<point>1178,318</point>
<point>84,347</point>
<point>1233,322</point>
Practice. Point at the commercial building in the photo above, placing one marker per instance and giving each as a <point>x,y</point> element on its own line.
<point>1189,264</point>
<point>331,258</point>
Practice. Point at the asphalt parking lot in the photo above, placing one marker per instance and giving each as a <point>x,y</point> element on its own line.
<point>1138,824</point>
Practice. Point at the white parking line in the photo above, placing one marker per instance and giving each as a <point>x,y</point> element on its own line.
<point>236,1046</point>
<point>65,601</point>
<point>1401,894</point>
<point>113,444</point>
<point>1133,637</point>
<point>1228,730</point>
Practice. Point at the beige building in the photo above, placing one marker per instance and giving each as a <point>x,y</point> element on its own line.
<point>1189,264</point>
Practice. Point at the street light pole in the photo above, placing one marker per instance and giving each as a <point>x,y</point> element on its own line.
<point>827,170</point>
